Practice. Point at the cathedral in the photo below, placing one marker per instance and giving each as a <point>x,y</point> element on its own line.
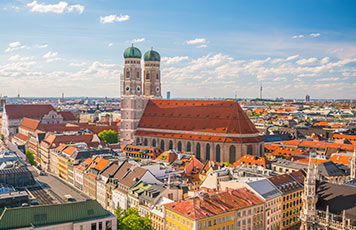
<point>216,130</point>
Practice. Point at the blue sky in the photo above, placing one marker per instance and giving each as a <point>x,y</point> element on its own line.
<point>208,48</point>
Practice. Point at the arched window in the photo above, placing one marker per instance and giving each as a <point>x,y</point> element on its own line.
<point>179,146</point>
<point>207,148</point>
<point>154,142</point>
<point>157,77</point>
<point>261,153</point>
<point>128,74</point>
<point>218,157</point>
<point>137,141</point>
<point>147,76</point>
<point>170,145</point>
<point>162,145</point>
<point>145,142</point>
<point>232,155</point>
<point>197,152</point>
<point>249,149</point>
<point>189,147</point>
<point>138,75</point>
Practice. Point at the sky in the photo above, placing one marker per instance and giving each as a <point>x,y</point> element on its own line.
<point>208,48</point>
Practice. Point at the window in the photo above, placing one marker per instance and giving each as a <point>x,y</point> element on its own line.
<point>209,223</point>
<point>93,226</point>
<point>219,221</point>
<point>157,77</point>
<point>214,221</point>
<point>147,76</point>
<point>81,227</point>
<point>100,225</point>
<point>128,74</point>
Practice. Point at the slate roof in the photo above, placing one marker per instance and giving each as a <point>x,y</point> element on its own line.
<point>329,169</point>
<point>265,189</point>
<point>338,197</point>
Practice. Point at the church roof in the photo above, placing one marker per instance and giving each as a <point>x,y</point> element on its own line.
<point>204,118</point>
<point>29,111</point>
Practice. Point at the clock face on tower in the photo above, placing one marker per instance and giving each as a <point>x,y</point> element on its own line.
<point>127,88</point>
<point>138,88</point>
<point>157,89</point>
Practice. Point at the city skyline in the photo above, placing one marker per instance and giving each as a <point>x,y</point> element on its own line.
<point>207,50</point>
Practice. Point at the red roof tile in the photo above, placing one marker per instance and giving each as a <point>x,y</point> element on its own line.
<point>215,204</point>
<point>225,117</point>
<point>30,111</point>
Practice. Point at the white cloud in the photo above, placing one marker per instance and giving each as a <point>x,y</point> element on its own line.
<point>80,64</point>
<point>58,8</point>
<point>314,35</point>
<point>292,57</point>
<point>18,57</point>
<point>280,79</point>
<point>114,18</point>
<point>138,40</point>
<point>196,41</point>
<point>328,79</point>
<point>324,60</point>
<point>298,36</point>
<point>306,61</point>
<point>14,46</point>
<point>110,44</point>
<point>173,60</point>
<point>51,56</point>
<point>202,46</point>
<point>42,46</point>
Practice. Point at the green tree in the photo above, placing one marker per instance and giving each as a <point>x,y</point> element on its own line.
<point>109,136</point>
<point>30,158</point>
<point>2,137</point>
<point>131,220</point>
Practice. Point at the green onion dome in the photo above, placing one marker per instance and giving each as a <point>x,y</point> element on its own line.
<point>152,56</point>
<point>132,52</point>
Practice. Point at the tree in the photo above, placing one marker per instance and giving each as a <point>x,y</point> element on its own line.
<point>2,137</point>
<point>109,136</point>
<point>130,219</point>
<point>30,158</point>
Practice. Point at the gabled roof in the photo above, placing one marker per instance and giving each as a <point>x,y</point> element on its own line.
<point>27,217</point>
<point>251,160</point>
<point>29,124</point>
<point>209,116</point>
<point>210,205</point>
<point>286,183</point>
<point>67,116</point>
<point>30,111</point>
<point>54,140</point>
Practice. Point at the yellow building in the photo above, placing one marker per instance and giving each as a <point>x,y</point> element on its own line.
<point>291,187</point>
<point>216,211</point>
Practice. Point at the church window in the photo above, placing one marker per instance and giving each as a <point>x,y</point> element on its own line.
<point>207,148</point>
<point>138,141</point>
<point>197,154</point>
<point>232,154</point>
<point>249,149</point>
<point>157,76</point>
<point>179,146</point>
<point>170,145</point>
<point>154,142</point>
<point>218,157</point>
<point>147,76</point>
<point>189,147</point>
<point>138,75</point>
<point>162,145</point>
<point>128,74</point>
<point>145,142</point>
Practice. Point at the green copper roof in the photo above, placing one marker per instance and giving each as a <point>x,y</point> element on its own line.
<point>132,52</point>
<point>152,56</point>
<point>24,217</point>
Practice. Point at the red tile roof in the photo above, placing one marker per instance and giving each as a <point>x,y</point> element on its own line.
<point>29,124</point>
<point>22,137</point>
<point>249,160</point>
<point>224,117</point>
<point>214,204</point>
<point>68,116</point>
<point>53,140</point>
<point>29,111</point>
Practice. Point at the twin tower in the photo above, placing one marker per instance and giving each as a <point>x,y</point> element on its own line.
<point>132,79</point>
<point>134,94</point>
